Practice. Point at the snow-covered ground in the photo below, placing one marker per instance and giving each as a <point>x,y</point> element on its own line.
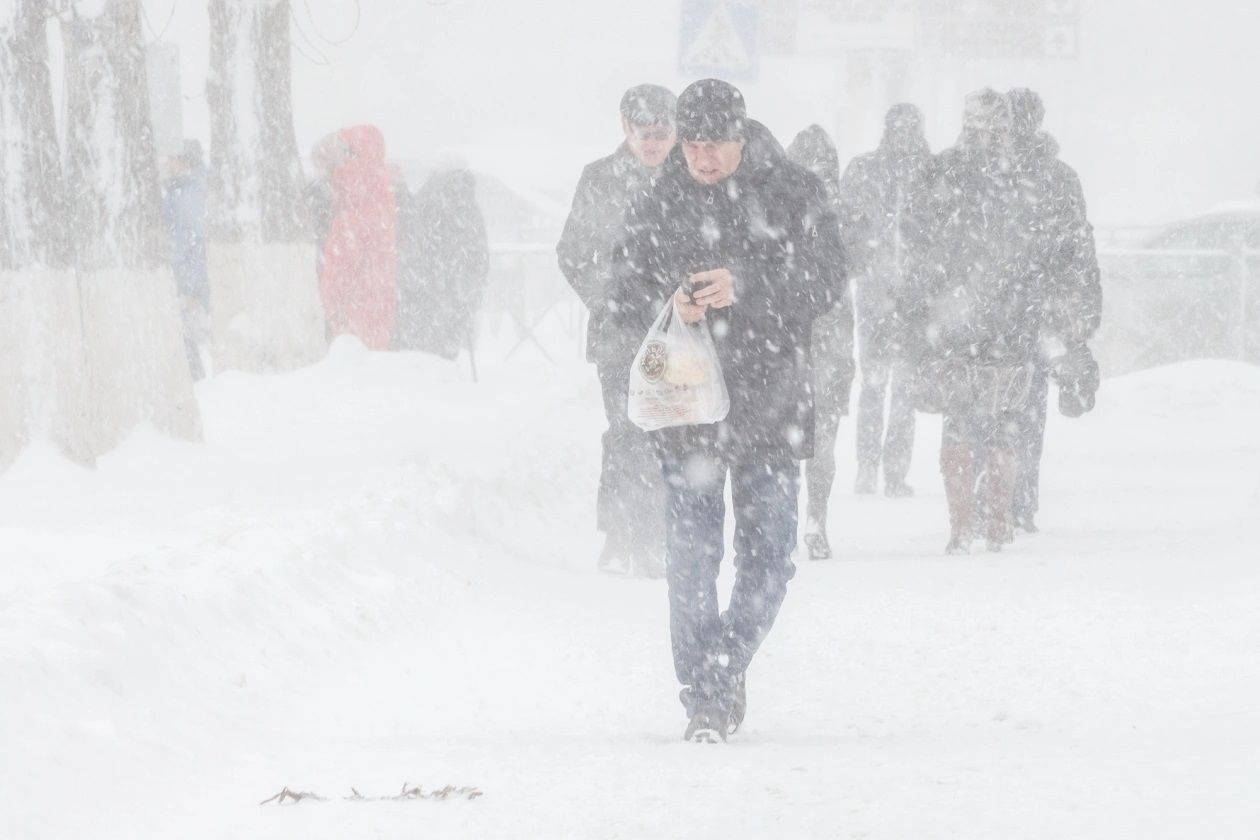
<point>375,571</point>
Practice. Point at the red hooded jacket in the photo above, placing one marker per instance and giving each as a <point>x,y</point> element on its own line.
<point>357,278</point>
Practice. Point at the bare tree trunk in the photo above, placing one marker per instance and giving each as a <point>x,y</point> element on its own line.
<point>265,310</point>
<point>256,175</point>
<point>110,155</point>
<point>42,376</point>
<point>138,372</point>
<point>32,196</point>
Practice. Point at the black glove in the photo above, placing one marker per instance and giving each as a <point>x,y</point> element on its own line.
<point>1078,377</point>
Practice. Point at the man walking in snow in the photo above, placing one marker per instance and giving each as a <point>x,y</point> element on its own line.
<point>1052,200</point>
<point>977,311</point>
<point>628,509</point>
<point>742,238</point>
<point>876,189</point>
<point>832,354</point>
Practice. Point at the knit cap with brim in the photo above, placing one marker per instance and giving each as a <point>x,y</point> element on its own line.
<point>712,110</point>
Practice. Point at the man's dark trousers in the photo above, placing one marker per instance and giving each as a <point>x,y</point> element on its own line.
<point>879,376</point>
<point>712,648</point>
<point>629,508</point>
<point>1032,442</point>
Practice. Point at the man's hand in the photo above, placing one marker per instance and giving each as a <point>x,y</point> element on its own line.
<point>688,311</point>
<point>714,288</point>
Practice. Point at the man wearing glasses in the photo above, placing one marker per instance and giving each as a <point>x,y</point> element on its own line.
<point>630,506</point>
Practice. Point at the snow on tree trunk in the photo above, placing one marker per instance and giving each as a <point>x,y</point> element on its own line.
<point>41,336</point>
<point>137,370</point>
<point>265,308</point>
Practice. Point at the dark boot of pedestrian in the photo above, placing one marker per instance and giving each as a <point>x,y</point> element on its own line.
<point>959,471</point>
<point>708,725</point>
<point>999,496</point>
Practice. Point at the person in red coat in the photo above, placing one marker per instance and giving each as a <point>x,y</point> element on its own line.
<point>357,276</point>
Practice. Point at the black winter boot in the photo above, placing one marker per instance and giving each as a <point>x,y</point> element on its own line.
<point>708,725</point>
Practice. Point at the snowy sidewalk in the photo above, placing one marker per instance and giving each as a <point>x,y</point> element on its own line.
<point>375,572</point>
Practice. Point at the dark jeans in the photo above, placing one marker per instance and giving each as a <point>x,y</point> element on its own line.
<point>873,447</point>
<point>712,648</point>
<point>1031,443</point>
<point>630,505</point>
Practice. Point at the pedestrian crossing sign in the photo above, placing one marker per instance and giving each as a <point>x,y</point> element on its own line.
<point>719,38</point>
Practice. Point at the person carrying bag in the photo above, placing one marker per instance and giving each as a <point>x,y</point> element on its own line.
<point>676,379</point>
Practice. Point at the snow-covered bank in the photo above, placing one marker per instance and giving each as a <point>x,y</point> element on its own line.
<point>375,571</point>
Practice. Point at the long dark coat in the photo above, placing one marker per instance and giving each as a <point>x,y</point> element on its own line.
<point>444,261</point>
<point>594,230</point>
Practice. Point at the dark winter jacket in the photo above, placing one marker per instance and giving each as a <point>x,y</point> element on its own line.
<point>1054,201</point>
<point>185,205</point>
<point>833,332</point>
<point>443,262</point>
<point>875,192</point>
<point>771,225</point>
<point>594,230</point>
<point>980,281</point>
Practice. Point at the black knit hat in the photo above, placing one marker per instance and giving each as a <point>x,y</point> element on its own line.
<point>648,105</point>
<point>1027,110</point>
<point>711,109</point>
<point>985,110</point>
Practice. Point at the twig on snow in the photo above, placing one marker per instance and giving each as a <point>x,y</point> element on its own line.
<point>407,793</point>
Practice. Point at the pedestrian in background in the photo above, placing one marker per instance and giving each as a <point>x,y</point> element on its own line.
<point>358,271</point>
<point>443,263</point>
<point>184,194</point>
<point>832,353</point>
<point>1052,200</point>
<point>977,310</point>
<point>875,191</point>
<point>630,505</point>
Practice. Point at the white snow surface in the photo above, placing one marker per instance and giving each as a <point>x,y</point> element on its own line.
<point>375,571</point>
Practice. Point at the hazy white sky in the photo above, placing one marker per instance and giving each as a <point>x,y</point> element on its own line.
<point>1159,113</point>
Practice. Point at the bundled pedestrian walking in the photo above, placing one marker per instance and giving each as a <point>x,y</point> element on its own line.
<point>629,505</point>
<point>740,237</point>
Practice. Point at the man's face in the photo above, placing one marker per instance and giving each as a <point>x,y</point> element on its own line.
<point>650,144</point>
<point>711,161</point>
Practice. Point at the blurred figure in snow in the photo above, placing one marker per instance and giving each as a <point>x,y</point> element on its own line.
<point>630,507</point>
<point>876,190</point>
<point>832,353</point>
<point>1053,203</point>
<point>185,206</point>
<point>325,157</point>
<point>976,311</point>
<point>443,262</point>
<point>358,274</point>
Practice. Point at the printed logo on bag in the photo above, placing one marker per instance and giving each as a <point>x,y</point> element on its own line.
<point>653,364</point>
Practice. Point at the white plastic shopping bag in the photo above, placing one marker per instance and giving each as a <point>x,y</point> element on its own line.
<point>676,379</point>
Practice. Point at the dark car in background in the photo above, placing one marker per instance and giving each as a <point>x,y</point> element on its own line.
<point>1224,229</point>
<point>1191,290</point>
